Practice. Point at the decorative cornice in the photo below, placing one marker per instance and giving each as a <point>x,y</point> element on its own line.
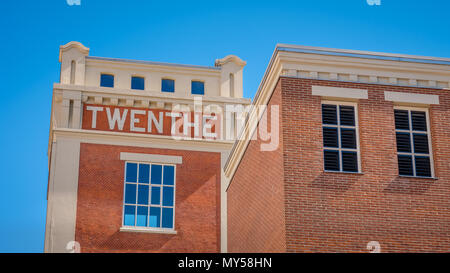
<point>230,58</point>
<point>366,79</point>
<point>156,99</point>
<point>362,54</point>
<point>84,50</point>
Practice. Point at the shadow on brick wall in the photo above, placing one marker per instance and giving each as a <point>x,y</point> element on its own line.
<point>406,185</point>
<point>335,182</point>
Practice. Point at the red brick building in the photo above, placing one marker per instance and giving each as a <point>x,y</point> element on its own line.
<point>363,161</point>
<point>136,152</point>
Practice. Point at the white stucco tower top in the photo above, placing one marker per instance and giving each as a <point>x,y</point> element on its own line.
<point>72,58</point>
<point>232,68</point>
<point>224,80</point>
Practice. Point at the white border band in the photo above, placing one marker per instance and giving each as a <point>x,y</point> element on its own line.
<point>153,158</point>
<point>146,230</point>
<point>339,92</point>
<point>411,97</point>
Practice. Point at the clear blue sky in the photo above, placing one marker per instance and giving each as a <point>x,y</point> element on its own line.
<point>190,32</point>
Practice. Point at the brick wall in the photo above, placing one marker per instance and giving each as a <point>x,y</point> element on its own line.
<point>332,212</point>
<point>100,197</point>
<point>255,198</point>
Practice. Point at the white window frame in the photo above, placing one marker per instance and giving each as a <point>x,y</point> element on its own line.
<point>137,76</point>
<point>339,126</point>
<point>106,73</point>
<point>411,132</point>
<point>170,79</point>
<point>204,87</point>
<point>147,228</point>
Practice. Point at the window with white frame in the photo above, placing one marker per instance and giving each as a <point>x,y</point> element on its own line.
<point>106,80</point>
<point>413,142</point>
<point>167,85</point>
<point>340,137</point>
<point>197,88</point>
<point>137,83</point>
<point>149,195</point>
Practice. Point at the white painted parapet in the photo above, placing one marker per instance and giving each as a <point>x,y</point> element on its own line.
<point>231,76</point>
<point>72,57</point>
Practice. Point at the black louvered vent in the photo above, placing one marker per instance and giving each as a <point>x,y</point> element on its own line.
<point>423,167</point>
<point>419,121</point>
<point>417,163</point>
<point>405,166</point>
<point>349,162</point>
<point>401,120</point>
<point>420,143</point>
<point>329,114</point>
<point>347,115</point>
<point>331,160</point>
<point>348,138</point>
<point>403,142</point>
<point>330,137</point>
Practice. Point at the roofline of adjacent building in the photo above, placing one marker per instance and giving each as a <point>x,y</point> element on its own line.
<point>348,53</point>
<point>363,54</point>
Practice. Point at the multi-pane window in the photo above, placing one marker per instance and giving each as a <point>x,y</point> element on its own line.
<point>413,142</point>
<point>340,137</point>
<point>137,83</point>
<point>149,195</point>
<point>107,80</point>
<point>197,88</point>
<point>167,85</point>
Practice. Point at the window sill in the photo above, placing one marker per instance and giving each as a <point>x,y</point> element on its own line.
<point>361,173</point>
<point>148,230</point>
<point>418,177</point>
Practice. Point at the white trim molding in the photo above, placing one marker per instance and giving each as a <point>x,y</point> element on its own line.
<point>62,196</point>
<point>339,92</point>
<point>147,230</point>
<point>411,98</point>
<point>140,140</point>
<point>153,158</point>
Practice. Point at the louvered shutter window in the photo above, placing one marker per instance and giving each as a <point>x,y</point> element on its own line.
<point>413,147</point>
<point>340,138</point>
